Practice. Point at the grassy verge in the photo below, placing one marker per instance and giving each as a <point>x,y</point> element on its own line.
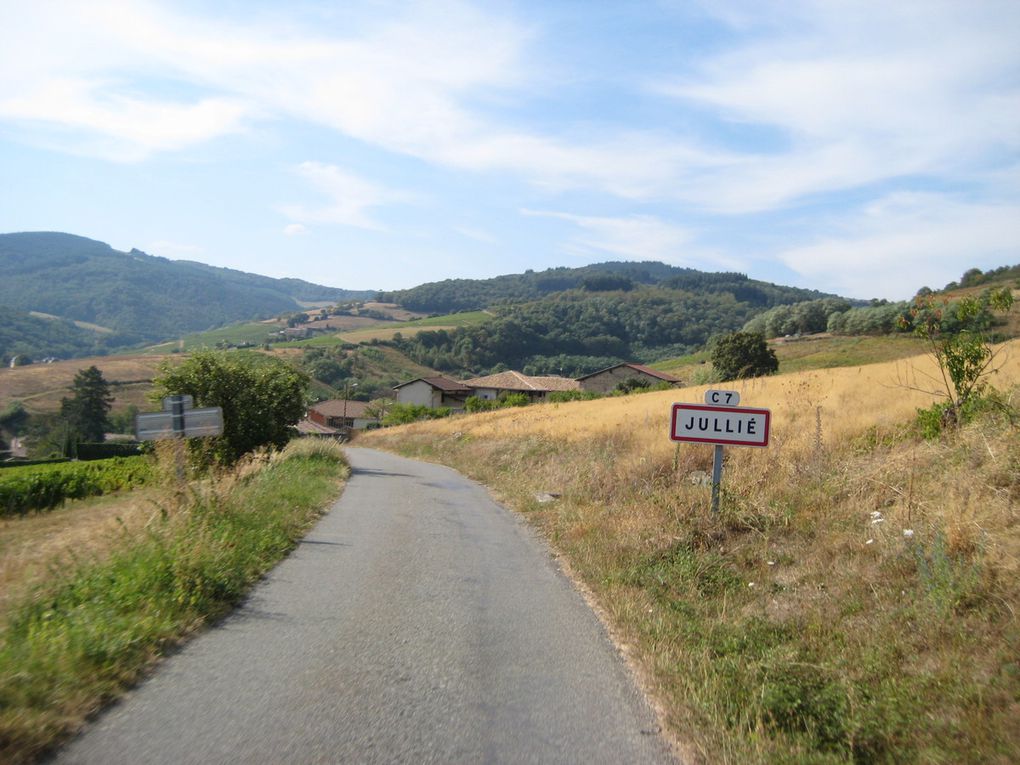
<point>854,601</point>
<point>87,633</point>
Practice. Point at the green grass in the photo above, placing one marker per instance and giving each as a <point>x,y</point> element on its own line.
<point>86,636</point>
<point>464,319</point>
<point>236,334</point>
<point>827,352</point>
<point>385,330</point>
<point>810,352</point>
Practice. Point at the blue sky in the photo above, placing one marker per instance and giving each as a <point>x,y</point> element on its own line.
<point>862,148</point>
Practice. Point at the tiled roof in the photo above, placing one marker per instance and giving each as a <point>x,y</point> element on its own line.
<point>308,428</point>
<point>335,408</point>
<point>516,381</point>
<point>440,383</point>
<point>639,368</point>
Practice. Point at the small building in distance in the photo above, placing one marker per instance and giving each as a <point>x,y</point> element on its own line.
<point>336,417</point>
<point>434,392</point>
<point>606,380</point>
<point>536,388</point>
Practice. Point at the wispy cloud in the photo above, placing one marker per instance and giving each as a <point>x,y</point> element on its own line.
<point>859,93</point>
<point>901,236</point>
<point>350,198</point>
<point>637,237</point>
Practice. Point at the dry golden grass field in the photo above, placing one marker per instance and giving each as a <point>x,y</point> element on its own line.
<point>856,598</point>
<point>41,386</point>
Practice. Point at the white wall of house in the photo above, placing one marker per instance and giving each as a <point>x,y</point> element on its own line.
<point>418,392</point>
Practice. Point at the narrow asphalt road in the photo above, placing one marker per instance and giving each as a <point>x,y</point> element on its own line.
<point>419,622</point>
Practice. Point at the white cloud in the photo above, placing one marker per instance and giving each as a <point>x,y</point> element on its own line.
<point>350,197</point>
<point>294,229</point>
<point>637,237</point>
<point>860,93</point>
<point>854,93</point>
<point>412,85</point>
<point>880,250</point>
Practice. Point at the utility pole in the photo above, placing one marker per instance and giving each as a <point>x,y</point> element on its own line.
<point>347,395</point>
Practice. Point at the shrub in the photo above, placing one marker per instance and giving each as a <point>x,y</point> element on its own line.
<point>402,414</point>
<point>743,354</point>
<point>478,404</point>
<point>562,396</point>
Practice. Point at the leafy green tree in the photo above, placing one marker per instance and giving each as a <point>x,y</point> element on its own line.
<point>378,407</point>
<point>86,412</point>
<point>743,354</point>
<point>124,420</point>
<point>262,399</point>
<point>957,336</point>
<point>13,418</point>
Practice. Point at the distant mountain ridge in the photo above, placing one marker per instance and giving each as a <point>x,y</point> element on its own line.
<point>474,294</point>
<point>141,297</point>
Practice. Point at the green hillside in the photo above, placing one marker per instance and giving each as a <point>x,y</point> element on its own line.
<point>141,297</point>
<point>475,294</point>
<point>34,338</point>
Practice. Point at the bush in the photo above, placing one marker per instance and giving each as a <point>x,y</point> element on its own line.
<point>262,398</point>
<point>403,414</point>
<point>562,396</point>
<point>478,404</point>
<point>514,399</point>
<point>106,450</point>
<point>743,354</point>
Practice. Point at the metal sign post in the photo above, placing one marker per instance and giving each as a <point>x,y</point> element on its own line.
<point>721,422</point>
<point>179,419</point>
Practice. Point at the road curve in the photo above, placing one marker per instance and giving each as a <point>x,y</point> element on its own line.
<point>419,622</point>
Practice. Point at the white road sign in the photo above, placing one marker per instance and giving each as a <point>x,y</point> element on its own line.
<point>720,425</point>
<point>715,397</point>
<point>152,426</point>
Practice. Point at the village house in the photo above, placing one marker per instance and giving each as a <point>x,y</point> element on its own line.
<point>536,388</point>
<point>336,417</point>
<point>606,380</point>
<point>434,392</point>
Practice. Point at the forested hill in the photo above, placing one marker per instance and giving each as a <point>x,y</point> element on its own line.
<point>22,334</point>
<point>142,298</point>
<point>474,294</point>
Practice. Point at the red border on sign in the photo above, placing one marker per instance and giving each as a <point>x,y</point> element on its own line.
<point>719,441</point>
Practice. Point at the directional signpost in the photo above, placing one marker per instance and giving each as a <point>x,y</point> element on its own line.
<point>721,422</point>
<point>179,420</point>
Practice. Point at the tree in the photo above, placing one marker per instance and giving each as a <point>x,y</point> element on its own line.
<point>261,397</point>
<point>86,412</point>
<point>13,418</point>
<point>957,338</point>
<point>743,354</point>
